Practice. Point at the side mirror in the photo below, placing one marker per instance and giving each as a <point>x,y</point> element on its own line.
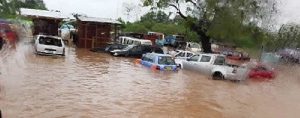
<point>188,59</point>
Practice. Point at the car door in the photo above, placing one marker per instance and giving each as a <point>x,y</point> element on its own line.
<point>138,52</point>
<point>190,63</point>
<point>180,55</point>
<point>204,65</point>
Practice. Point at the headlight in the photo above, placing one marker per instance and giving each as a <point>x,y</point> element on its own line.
<point>116,54</point>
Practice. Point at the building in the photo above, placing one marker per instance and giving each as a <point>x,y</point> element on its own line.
<point>95,32</point>
<point>44,21</point>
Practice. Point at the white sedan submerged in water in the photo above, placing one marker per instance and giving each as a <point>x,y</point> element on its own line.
<point>49,45</point>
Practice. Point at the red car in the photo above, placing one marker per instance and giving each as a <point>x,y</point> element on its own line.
<point>7,33</point>
<point>261,71</point>
<point>238,56</point>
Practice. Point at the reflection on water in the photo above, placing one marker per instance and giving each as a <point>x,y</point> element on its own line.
<point>85,84</point>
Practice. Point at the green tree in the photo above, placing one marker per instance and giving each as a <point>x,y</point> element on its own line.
<point>135,27</point>
<point>288,36</point>
<point>9,7</point>
<point>219,19</point>
<point>157,17</point>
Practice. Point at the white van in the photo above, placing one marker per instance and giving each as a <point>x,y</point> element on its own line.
<point>134,41</point>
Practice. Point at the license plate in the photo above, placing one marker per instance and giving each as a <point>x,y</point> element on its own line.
<point>169,68</point>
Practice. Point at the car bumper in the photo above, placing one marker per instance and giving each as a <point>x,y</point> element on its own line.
<point>48,53</point>
<point>233,76</point>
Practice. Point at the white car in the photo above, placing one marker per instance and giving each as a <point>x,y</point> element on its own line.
<point>215,65</point>
<point>49,45</point>
<point>193,47</point>
<point>181,56</point>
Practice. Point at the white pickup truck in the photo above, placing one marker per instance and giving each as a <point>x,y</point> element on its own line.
<point>215,65</point>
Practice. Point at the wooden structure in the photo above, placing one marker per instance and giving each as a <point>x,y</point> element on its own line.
<point>95,32</point>
<point>45,22</point>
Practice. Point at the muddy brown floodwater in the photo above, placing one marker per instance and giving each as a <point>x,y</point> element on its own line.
<point>88,85</point>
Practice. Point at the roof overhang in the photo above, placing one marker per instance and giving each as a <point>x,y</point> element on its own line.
<point>35,13</point>
<point>98,20</point>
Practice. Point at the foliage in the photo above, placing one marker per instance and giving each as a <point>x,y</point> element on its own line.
<point>9,8</point>
<point>225,20</point>
<point>158,17</point>
<point>288,36</point>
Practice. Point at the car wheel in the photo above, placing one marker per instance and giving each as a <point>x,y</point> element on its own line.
<point>218,76</point>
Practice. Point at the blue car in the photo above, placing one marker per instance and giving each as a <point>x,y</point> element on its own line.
<point>161,62</point>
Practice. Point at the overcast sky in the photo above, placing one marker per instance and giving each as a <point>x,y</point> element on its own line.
<point>113,8</point>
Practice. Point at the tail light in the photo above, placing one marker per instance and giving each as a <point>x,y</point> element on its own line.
<point>234,70</point>
<point>155,67</point>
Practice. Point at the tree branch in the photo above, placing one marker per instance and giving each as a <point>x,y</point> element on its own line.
<point>178,11</point>
<point>194,3</point>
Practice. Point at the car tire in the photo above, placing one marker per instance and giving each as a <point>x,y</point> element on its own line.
<point>179,66</point>
<point>218,76</point>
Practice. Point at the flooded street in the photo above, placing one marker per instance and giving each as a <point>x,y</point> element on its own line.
<point>89,85</point>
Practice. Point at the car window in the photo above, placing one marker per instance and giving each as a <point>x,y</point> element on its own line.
<point>146,57</point>
<point>114,47</point>
<point>236,54</point>
<point>166,60</point>
<point>219,60</point>
<point>245,55</point>
<point>151,58</point>
<point>194,58</point>
<point>181,54</point>
<point>205,59</point>
<point>50,41</point>
<point>189,54</point>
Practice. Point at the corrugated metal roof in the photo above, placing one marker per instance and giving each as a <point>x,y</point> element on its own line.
<point>100,20</point>
<point>44,13</point>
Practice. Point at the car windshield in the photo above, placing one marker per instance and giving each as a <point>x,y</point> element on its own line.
<point>128,47</point>
<point>165,60</point>
<point>50,41</point>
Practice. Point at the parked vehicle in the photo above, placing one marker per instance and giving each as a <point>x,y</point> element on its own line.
<point>160,38</point>
<point>115,46</point>
<point>161,62</point>
<point>180,41</point>
<point>174,52</point>
<point>182,55</point>
<point>262,72</point>
<point>133,41</point>
<point>292,55</point>
<point>193,47</point>
<point>137,50</point>
<point>49,45</point>
<point>270,58</point>
<point>238,56</point>
<point>215,65</point>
